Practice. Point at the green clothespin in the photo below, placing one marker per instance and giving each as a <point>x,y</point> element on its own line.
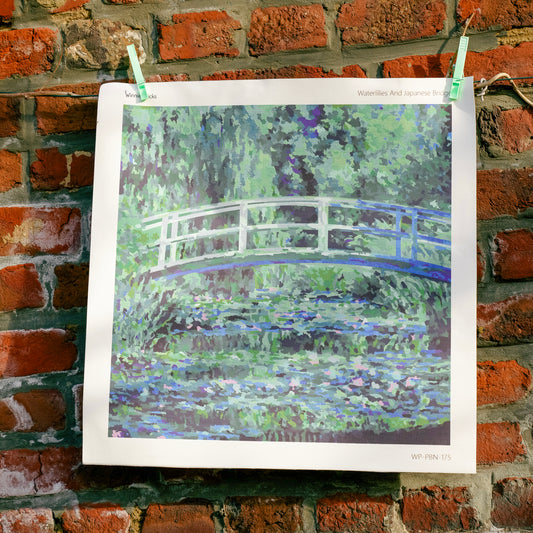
<point>457,82</point>
<point>137,72</point>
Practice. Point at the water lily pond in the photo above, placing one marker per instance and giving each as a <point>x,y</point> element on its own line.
<point>295,353</point>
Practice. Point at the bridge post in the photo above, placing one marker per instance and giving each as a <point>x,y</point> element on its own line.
<point>323,225</point>
<point>163,242</point>
<point>398,228</point>
<point>243,226</point>
<point>414,235</point>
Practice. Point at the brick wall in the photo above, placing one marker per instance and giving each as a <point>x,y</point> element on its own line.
<point>46,159</point>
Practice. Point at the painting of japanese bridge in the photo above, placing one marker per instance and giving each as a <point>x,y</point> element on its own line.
<point>283,273</point>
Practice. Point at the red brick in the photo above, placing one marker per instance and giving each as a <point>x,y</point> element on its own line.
<point>50,170</point>
<point>58,470</point>
<point>72,285</point>
<point>81,170</point>
<point>514,61</point>
<point>10,170</point>
<point>35,230</point>
<point>104,518</point>
<point>295,71</point>
<point>27,521</point>
<point>504,13</point>
<point>516,129</point>
<point>18,471</point>
<point>276,29</point>
<point>23,353</point>
<point>504,192</point>
<point>26,52</point>
<point>353,512</point>
<point>513,257</point>
<point>187,517</point>
<point>258,514</point>
<point>68,5</point>
<point>167,77</point>
<point>200,34</point>
<point>20,288</point>
<point>481,265</point>
<point>36,410</point>
<point>67,114</point>
<point>512,503</point>
<point>32,472</point>
<point>502,382</point>
<point>438,509</point>
<point>499,442</point>
<point>9,116</point>
<point>54,170</point>
<point>383,22</point>
<point>7,7</point>
<point>506,322</point>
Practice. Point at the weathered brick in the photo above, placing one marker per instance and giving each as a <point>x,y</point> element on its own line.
<point>277,29</point>
<point>438,509</point>
<point>104,518</point>
<point>481,264</point>
<point>504,13</point>
<point>61,6</point>
<point>50,170</point>
<point>10,170</point>
<point>36,410</point>
<point>512,503</point>
<point>515,61</point>
<point>35,230</point>
<point>513,256</point>
<point>154,78</point>
<point>54,170</point>
<point>81,169</point>
<point>27,521</point>
<point>18,471</point>
<point>256,514</point>
<point>499,442</point>
<point>7,8</point>
<point>199,34</point>
<point>20,288</point>
<point>58,470</point>
<point>26,51</point>
<point>9,116</point>
<point>67,114</point>
<point>506,322</point>
<point>185,517</point>
<point>383,22</point>
<point>72,285</point>
<point>502,382</point>
<point>504,192</point>
<point>23,353</point>
<point>295,71</point>
<point>353,512</point>
<point>32,472</point>
<point>101,44</point>
<point>516,129</point>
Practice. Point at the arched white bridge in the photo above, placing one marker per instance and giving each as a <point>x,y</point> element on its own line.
<point>297,229</point>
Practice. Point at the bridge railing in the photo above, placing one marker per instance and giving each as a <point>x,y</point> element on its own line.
<point>306,225</point>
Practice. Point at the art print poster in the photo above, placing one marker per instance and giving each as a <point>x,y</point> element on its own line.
<point>283,276</point>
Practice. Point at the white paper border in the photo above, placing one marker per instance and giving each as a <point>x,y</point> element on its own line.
<point>458,457</point>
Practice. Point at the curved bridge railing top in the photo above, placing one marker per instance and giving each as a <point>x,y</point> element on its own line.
<point>322,229</point>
